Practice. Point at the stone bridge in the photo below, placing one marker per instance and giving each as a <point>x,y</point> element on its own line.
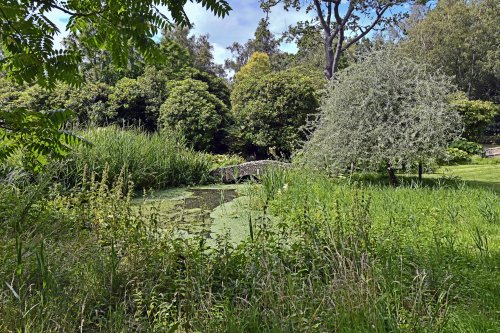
<point>233,173</point>
<point>492,152</point>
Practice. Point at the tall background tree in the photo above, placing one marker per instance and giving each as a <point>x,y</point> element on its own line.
<point>264,41</point>
<point>198,50</point>
<point>462,39</point>
<point>344,23</point>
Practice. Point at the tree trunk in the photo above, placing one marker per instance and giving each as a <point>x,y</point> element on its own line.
<point>329,58</point>
<point>420,171</point>
<point>392,175</point>
<point>338,53</point>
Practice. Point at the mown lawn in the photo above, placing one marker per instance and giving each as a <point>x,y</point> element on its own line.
<point>482,173</point>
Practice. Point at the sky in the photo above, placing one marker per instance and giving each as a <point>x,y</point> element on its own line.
<point>238,26</point>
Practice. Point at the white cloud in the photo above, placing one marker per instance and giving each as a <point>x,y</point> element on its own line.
<point>238,26</point>
<point>220,53</point>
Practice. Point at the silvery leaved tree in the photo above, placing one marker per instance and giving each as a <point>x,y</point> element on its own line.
<point>386,111</point>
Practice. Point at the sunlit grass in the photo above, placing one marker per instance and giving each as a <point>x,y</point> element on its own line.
<point>484,172</point>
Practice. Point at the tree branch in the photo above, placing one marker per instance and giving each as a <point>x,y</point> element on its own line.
<point>364,33</point>
<point>336,10</point>
<point>348,14</point>
<point>320,16</point>
<point>329,15</point>
<point>67,11</point>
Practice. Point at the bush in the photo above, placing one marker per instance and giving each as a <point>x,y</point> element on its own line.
<point>216,86</point>
<point>456,155</point>
<point>492,132</point>
<point>269,112</point>
<point>138,101</point>
<point>471,148</point>
<point>476,115</point>
<point>89,103</point>
<point>195,113</point>
<point>152,160</point>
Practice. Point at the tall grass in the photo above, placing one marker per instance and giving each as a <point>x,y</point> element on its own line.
<point>343,258</point>
<point>446,235</point>
<point>152,160</point>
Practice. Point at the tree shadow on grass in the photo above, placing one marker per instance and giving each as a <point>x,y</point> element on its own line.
<point>412,181</point>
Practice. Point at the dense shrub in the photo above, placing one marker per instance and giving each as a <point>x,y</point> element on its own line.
<point>461,151</point>
<point>471,148</point>
<point>197,114</point>
<point>137,101</point>
<point>152,160</point>
<point>33,98</point>
<point>89,102</point>
<point>455,155</point>
<point>270,110</point>
<point>476,115</point>
<point>216,86</point>
<point>492,132</point>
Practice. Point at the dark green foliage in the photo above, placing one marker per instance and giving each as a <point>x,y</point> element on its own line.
<point>270,110</point>
<point>217,86</point>
<point>461,38</point>
<point>461,151</point>
<point>89,102</point>
<point>196,113</point>
<point>476,115</point>
<point>492,132</point>
<point>471,148</point>
<point>137,101</point>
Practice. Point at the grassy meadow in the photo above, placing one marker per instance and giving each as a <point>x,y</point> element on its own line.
<point>84,249</point>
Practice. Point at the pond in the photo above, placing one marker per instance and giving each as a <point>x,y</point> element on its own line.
<point>209,211</point>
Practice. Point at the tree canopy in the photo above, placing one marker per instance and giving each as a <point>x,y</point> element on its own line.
<point>196,113</point>
<point>269,110</point>
<point>30,55</point>
<point>461,38</point>
<point>27,37</point>
<point>386,111</point>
